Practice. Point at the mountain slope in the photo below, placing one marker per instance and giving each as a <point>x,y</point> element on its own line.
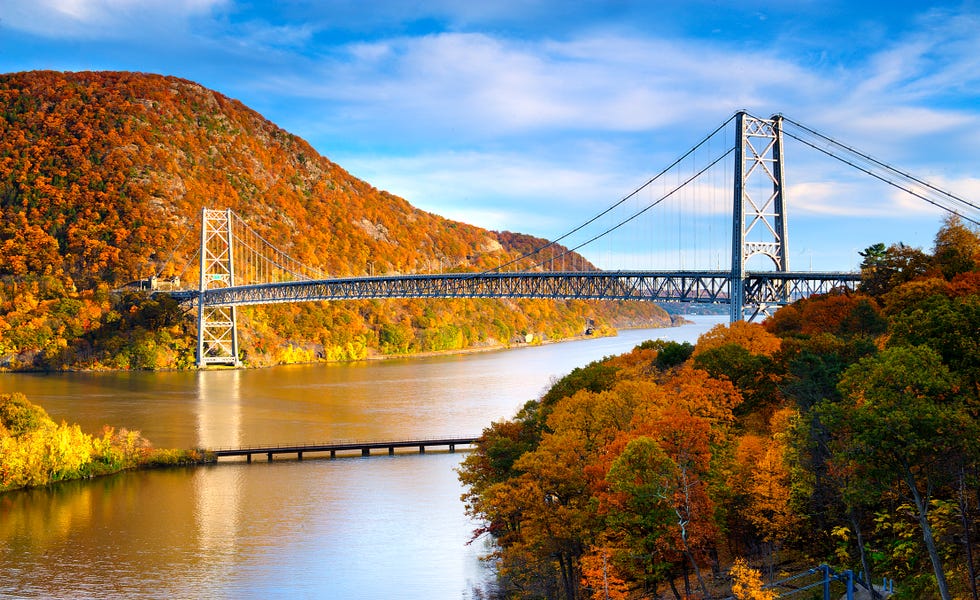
<point>102,180</point>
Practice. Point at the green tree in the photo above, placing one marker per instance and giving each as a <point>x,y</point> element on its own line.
<point>947,325</point>
<point>902,421</point>
<point>755,375</point>
<point>19,415</point>
<point>639,509</point>
<point>597,376</point>
<point>884,268</point>
<point>669,353</point>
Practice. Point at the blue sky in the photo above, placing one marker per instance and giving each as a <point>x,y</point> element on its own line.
<point>533,115</point>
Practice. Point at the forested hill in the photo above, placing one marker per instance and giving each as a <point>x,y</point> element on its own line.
<point>102,180</point>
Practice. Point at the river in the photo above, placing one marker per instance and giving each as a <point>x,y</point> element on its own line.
<point>349,527</point>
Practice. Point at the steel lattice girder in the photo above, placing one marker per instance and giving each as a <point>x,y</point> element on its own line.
<point>761,288</point>
<point>783,288</point>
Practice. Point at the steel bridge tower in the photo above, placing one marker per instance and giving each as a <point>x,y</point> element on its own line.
<point>759,215</point>
<point>217,331</point>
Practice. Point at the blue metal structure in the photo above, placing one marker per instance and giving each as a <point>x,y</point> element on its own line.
<point>830,582</point>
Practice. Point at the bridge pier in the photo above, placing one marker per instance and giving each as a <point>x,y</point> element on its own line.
<point>365,452</point>
<point>248,458</point>
<point>269,454</point>
<point>391,450</point>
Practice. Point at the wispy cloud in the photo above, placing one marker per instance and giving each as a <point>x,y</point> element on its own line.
<point>102,19</point>
<point>503,190</point>
<point>482,86</point>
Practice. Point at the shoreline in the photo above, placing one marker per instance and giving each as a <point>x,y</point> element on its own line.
<point>679,321</point>
<point>676,321</point>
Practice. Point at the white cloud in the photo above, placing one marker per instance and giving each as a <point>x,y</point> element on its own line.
<point>497,191</point>
<point>481,86</point>
<point>856,199</point>
<point>922,84</point>
<point>530,133</point>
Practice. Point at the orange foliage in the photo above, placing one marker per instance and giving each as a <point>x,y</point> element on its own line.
<point>965,284</point>
<point>702,395</point>
<point>601,576</point>
<point>838,313</point>
<point>751,336</point>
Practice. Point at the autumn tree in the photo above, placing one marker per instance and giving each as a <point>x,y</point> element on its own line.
<point>753,337</point>
<point>542,516</point>
<point>36,451</point>
<point>770,508</point>
<point>102,179</point>
<point>956,249</point>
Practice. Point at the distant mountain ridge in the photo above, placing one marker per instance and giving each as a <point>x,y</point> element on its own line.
<point>103,176</point>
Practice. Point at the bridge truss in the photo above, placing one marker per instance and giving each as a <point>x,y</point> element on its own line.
<point>762,290</point>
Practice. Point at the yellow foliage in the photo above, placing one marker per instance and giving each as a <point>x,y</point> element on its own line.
<point>769,483</point>
<point>292,354</point>
<point>69,450</point>
<point>42,452</point>
<point>747,583</point>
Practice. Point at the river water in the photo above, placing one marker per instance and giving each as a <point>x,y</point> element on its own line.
<point>349,527</point>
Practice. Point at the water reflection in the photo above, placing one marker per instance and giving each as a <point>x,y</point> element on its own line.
<point>218,493</point>
<point>219,408</point>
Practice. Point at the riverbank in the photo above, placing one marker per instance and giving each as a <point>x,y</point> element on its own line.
<point>375,355</point>
<point>675,321</point>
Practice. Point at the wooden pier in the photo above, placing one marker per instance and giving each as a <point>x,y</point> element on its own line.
<point>364,448</point>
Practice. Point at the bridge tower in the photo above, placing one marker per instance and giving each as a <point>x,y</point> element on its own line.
<point>759,216</point>
<point>217,330</point>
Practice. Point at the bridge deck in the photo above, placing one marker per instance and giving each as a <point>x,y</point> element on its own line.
<point>364,447</point>
<point>766,287</point>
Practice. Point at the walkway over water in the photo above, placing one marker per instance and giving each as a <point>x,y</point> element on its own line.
<point>364,447</point>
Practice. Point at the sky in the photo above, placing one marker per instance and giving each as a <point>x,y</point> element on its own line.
<point>533,115</point>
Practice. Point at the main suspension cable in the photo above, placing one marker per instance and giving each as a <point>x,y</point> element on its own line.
<point>870,170</point>
<point>608,210</point>
<point>651,205</point>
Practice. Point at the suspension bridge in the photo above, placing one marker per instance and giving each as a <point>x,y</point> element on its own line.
<point>746,212</point>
